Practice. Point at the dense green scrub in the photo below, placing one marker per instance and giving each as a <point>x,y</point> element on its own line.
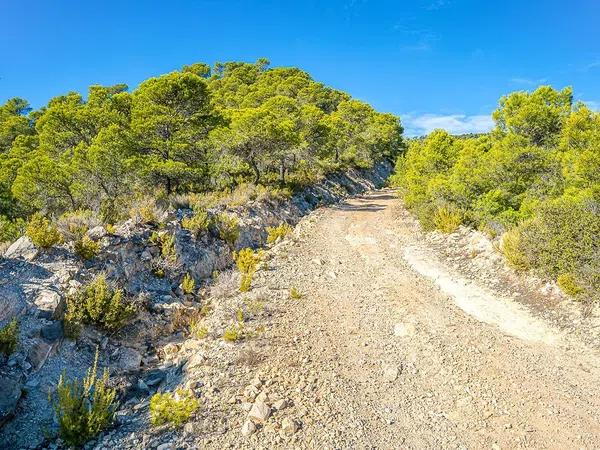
<point>535,176</point>
<point>195,130</point>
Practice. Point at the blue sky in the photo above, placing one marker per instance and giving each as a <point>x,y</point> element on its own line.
<point>436,63</point>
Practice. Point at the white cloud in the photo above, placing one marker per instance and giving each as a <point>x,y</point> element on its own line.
<point>594,106</point>
<point>417,125</point>
<point>528,81</point>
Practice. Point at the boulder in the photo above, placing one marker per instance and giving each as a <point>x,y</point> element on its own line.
<point>128,359</point>
<point>260,412</point>
<point>10,393</point>
<point>22,248</point>
<point>50,303</point>
<point>53,331</point>
<point>289,426</point>
<point>12,304</point>
<point>38,353</point>
<point>97,233</point>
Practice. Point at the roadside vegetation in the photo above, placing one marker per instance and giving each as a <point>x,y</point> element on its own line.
<point>534,180</point>
<point>240,130</point>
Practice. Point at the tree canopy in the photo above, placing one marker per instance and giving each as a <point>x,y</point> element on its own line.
<point>193,130</point>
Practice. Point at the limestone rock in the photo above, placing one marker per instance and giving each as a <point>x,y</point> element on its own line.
<point>22,248</point>
<point>260,412</point>
<point>289,426</point>
<point>10,393</point>
<point>248,428</point>
<point>38,353</point>
<point>50,302</point>
<point>128,359</point>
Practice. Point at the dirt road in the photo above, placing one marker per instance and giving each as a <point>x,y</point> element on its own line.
<point>388,348</point>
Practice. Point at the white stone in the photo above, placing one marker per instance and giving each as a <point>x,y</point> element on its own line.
<point>289,426</point>
<point>390,373</point>
<point>248,428</point>
<point>260,412</point>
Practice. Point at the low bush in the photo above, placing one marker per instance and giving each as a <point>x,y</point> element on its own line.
<point>42,233</point>
<point>188,284</point>
<point>197,223</point>
<point>11,230</point>
<point>566,282</point>
<point>280,231</point>
<point>229,229</point>
<point>564,238</point>
<point>86,248</point>
<point>447,219</point>
<point>510,247</point>
<point>247,262</point>
<point>74,225</point>
<point>172,408</point>
<point>97,303</point>
<point>9,337</point>
<point>84,408</point>
<point>234,333</point>
<point>146,211</point>
<point>295,294</point>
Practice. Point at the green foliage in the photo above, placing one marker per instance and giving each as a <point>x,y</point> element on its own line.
<point>295,294</point>
<point>188,284</point>
<point>174,408</point>
<point>229,229</point>
<point>97,303</point>
<point>84,408</point>
<point>536,175</point>
<point>447,219</point>
<point>11,230</point>
<point>198,223</point>
<point>247,261</point>
<point>9,337</point>
<point>511,248</point>
<point>86,248</point>
<point>563,238</point>
<point>566,282</point>
<point>189,131</point>
<point>234,333</point>
<point>277,232</point>
<point>42,233</point>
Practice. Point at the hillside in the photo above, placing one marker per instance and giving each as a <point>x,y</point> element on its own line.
<point>226,258</point>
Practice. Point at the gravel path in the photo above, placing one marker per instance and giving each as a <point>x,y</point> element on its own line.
<point>379,354</point>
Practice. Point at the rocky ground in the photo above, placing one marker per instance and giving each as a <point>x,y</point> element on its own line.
<point>398,339</point>
<point>376,354</point>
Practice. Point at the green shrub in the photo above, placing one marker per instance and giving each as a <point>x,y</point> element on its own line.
<point>173,408</point>
<point>97,303</point>
<point>228,227</point>
<point>42,233</point>
<point>234,333</point>
<point>563,238</point>
<point>188,284</point>
<point>11,230</point>
<point>86,248</point>
<point>566,282</point>
<point>295,294</point>
<point>447,219</point>
<point>198,223</point>
<point>74,225</point>
<point>247,262</point>
<point>146,211</point>
<point>277,232</point>
<point>9,337</point>
<point>84,408</point>
<point>197,330</point>
<point>510,247</point>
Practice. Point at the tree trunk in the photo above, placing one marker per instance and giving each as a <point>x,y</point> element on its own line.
<point>282,172</point>
<point>255,170</point>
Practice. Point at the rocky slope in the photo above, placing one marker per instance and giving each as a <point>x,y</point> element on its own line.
<point>151,353</point>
